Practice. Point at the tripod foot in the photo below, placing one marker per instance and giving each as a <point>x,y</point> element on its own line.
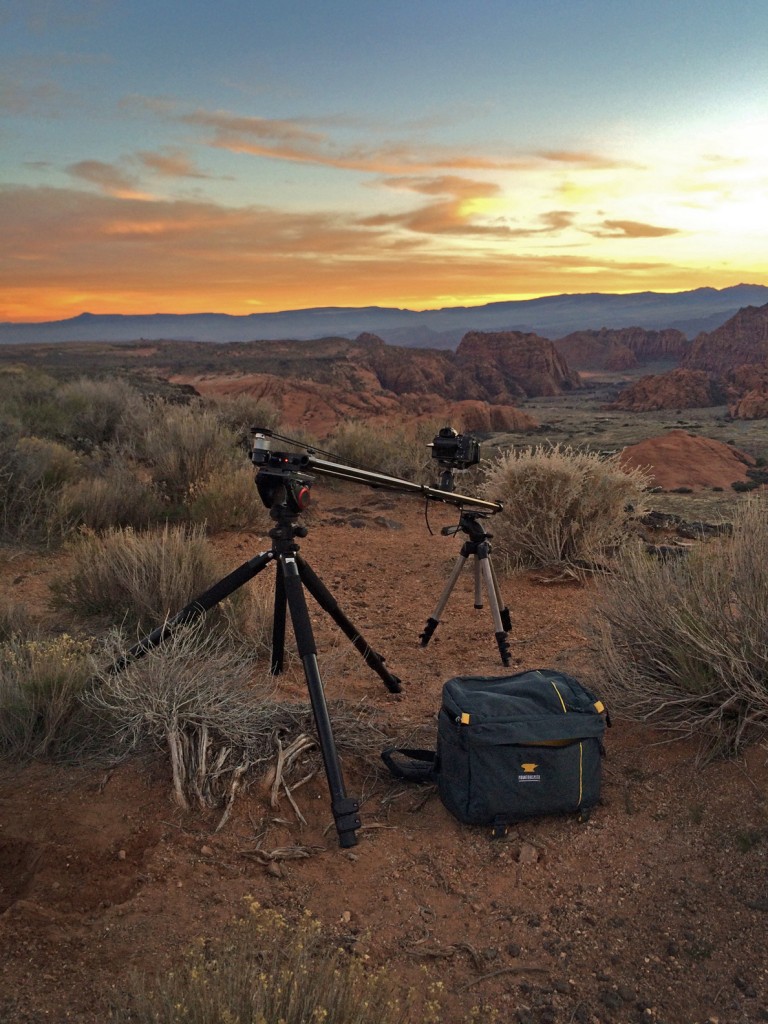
<point>347,821</point>
<point>429,629</point>
<point>501,640</point>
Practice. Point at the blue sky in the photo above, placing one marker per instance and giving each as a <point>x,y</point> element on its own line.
<point>247,157</point>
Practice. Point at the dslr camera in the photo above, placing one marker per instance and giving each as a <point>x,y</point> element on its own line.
<point>453,450</point>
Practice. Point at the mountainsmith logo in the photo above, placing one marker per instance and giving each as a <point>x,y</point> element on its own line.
<point>529,773</point>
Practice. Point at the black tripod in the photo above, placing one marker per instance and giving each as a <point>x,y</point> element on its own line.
<point>478,545</point>
<point>286,495</point>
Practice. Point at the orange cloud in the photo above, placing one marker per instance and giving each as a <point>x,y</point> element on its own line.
<point>124,255</point>
<point>108,178</point>
<point>631,229</point>
<point>171,163</point>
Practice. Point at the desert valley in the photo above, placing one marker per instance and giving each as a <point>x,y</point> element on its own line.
<point>655,910</point>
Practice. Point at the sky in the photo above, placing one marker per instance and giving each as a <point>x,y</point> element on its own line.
<point>245,156</point>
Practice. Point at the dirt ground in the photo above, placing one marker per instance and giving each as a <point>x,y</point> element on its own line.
<point>655,910</point>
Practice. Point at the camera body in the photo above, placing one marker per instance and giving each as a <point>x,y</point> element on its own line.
<point>454,450</point>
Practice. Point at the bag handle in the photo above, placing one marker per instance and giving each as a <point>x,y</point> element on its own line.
<point>423,766</point>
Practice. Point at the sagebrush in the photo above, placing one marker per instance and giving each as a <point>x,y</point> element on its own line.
<point>562,507</point>
<point>137,580</point>
<point>682,644</point>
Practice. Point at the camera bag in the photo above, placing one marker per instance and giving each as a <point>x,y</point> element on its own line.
<point>512,747</point>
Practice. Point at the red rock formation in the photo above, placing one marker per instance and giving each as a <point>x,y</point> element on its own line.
<point>620,349</point>
<point>742,339</point>
<point>318,407</point>
<point>508,365</point>
<point>678,389</point>
<point>679,459</point>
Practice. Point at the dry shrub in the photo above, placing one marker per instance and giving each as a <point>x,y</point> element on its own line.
<point>228,499</point>
<point>95,409</point>
<point>137,580</point>
<point>41,683</point>
<point>201,698</point>
<point>266,968</point>
<point>116,497</point>
<point>562,507</point>
<point>15,619</point>
<point>390,450</point>
<point>32,471</point>
<point>184,446</point>
<point>239,413</point>
<point>682,644</point>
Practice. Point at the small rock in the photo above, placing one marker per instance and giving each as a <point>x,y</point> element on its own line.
<point>528,854</point>
<point>121,854</point>
<point>274,869</point>
<point>206,851</point>
<point>513,949</point>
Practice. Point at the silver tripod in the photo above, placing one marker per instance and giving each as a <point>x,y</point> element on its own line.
<point>477,544</point>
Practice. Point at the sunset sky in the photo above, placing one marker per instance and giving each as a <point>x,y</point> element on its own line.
<point>247,156</point>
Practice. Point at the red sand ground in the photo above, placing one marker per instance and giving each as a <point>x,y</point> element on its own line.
<point>656,910</point>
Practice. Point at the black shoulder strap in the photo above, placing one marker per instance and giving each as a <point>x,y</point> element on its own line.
<point>422,766</point>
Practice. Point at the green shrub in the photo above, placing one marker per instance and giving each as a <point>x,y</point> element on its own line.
<point>41,683</point>
<point>136,580</point>
<point>681,644</point>
<point>266,970</point>
<point>562,507</point>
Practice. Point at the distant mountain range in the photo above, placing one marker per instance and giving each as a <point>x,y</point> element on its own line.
<point>553,316</point>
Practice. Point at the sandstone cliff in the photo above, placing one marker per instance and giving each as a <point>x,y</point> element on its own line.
<point>505,366</point>
<point>742,339</point>
<point>621,349</point>
<point>678,389</point>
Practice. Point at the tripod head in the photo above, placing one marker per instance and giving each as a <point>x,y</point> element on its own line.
<point>285,473</point>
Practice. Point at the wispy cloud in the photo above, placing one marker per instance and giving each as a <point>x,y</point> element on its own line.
<point>108,178</point>
<point>170,163</point>
<point>109,253</point>
<point>631,229</point>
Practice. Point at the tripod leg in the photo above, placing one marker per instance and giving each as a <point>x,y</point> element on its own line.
<point>434,620</point>
<point>478,585</point>
<point>493,601</point>
<point>328,603</point>
<point>197,607</point>
<point>278,626</point>
<point>344,808</point>
<point>506,618</point>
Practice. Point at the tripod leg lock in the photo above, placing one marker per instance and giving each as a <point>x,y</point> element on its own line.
<point>429,629</point>
<point>347,819</point>
<point>502,641</point>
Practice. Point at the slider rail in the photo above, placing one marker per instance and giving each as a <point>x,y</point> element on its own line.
<point>308,461</point>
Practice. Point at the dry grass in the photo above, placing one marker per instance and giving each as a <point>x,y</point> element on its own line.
<point>185,445</point>
<point>32,472</point>
<point>41,683</point>
<point>114,496</point>
<point>268,970</point>
<point>137,580</point>
<point>683,644</point>
<point>389,450</point>
<point>562,508</point>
